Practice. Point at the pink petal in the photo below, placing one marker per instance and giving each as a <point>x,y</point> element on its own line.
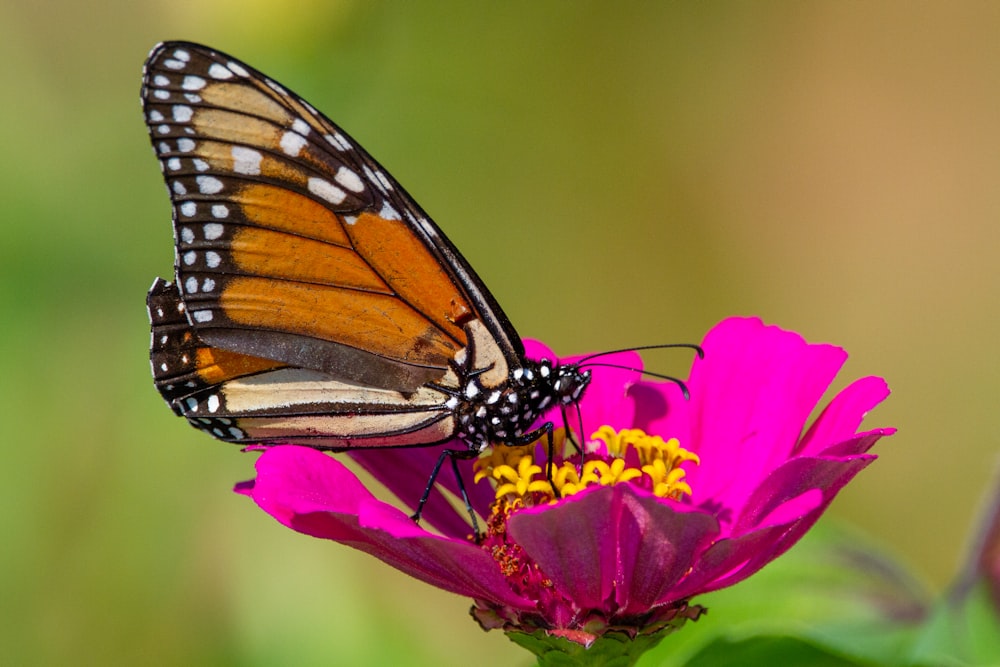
<point>782,510</point>
<point>727,561</point>
<point>406,471</point>
<point>793,480</point>
<point>842,418</point>
<point>661,409</point>
<point>750,397</point>
<point>613,540</point>
<point>314,494</point>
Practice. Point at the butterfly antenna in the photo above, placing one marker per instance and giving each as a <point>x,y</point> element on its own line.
<point>690,346</point>
<point>670,378</point>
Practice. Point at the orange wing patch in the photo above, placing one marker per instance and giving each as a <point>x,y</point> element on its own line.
<point>411,270</point>
<point>215,366</point>
<point>377,323</point>
<point>277,208</point>
<point>264,252</point>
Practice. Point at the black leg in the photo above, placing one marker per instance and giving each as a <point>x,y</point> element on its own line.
<point>451,454</point>
<point>461,489</point>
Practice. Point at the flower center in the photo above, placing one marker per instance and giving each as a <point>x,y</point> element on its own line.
<point>611,457</point>
<point>519,474</point>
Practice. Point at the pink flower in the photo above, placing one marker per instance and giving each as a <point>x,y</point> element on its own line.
<point>685,497</point>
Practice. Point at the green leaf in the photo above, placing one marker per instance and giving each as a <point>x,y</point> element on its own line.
<point>767,652</point>
<point>964,630</point>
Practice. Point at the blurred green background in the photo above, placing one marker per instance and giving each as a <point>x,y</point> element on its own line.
<point>618,174</point>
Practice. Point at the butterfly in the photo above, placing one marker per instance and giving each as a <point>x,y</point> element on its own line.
<point>314,302</point>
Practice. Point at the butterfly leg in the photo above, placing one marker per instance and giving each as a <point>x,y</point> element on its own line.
<point>569,434</point>
<point>452,455</point>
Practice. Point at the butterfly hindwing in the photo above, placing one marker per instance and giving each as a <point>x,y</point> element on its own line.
<point>293,245</point>
<point>246,399</point>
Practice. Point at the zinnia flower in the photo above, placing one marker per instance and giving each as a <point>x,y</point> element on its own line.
<point>676,497</point>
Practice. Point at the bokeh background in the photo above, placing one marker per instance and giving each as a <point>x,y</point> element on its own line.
<point>618,174</point>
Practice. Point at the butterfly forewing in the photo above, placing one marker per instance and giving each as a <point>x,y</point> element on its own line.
<point>293,245</point>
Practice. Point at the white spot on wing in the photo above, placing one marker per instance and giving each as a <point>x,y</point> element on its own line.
<point>185,145</point>
<point>200,164</point>
<point>246,160</point>
<point>326,190</point>
<point>178,188</point>
<point>161,81</point>
<point>301,126</point>
<point>191,285</point>
<point>155,116</point>
<point>292,143</point>
<point>182,54</point>
<point>213,230</point>
<point>238,69</point>
<point>220,72</point>
<point>192,82</point>
<point>188,208</point>
<point>208,185</point>
<point>213,259</point>
<point>182,113</point>
<point>388,212</point>
<point>173,164</point>
<point>161,94</point>
<point>220,211</point>
<point>202,315</point>
<point>349,180</point>
<point>213,403</point>
<point>187,235</point>
<point>170,63</point>
<point>189,257</point>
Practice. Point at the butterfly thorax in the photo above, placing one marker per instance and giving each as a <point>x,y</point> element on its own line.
<point>504,414</point>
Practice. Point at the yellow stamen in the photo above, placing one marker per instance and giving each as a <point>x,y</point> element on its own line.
<point>520,481</point>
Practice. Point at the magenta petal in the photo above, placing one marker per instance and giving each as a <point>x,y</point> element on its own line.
<point>770,527</point>
<point>858,444</point>
<point>793,480</point>
<point>607,400</point>
<point>536,349</point>
<point>658,542</point>
<point>660,407</point>
<point>842,417</point>
<point>728,561</point>
<point>405,472</point>
<point>750,397</point>
<point>317,495</point>
<point>612,540</point>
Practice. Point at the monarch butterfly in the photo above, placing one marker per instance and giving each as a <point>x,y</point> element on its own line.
<point>315,303</point>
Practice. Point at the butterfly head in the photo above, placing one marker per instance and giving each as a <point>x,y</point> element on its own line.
<point>570,384</point>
